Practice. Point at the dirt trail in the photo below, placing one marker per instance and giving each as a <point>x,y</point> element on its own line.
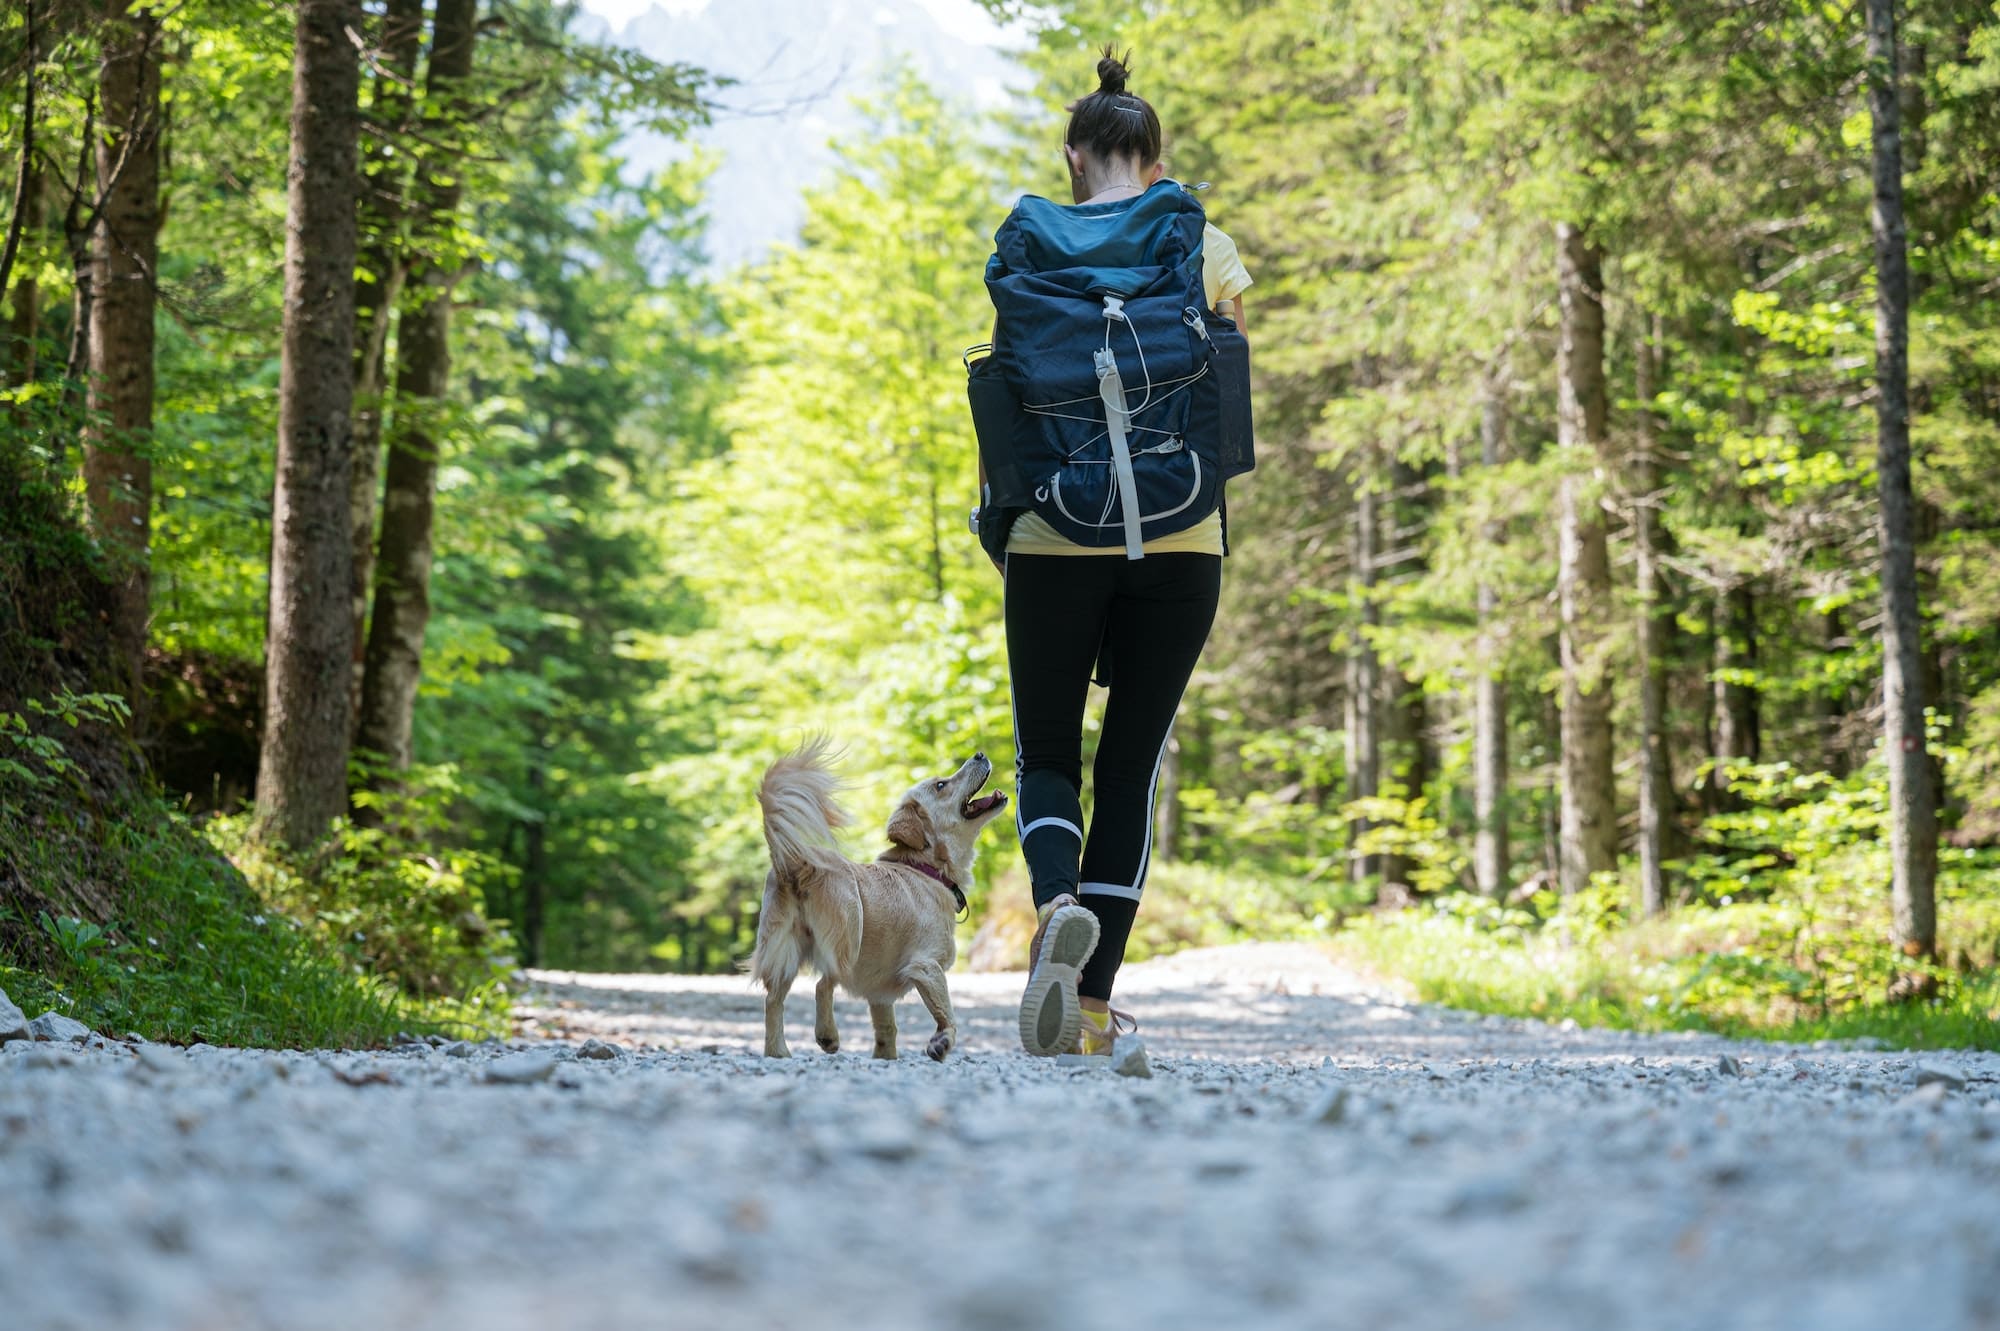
<point>1308,1153</point>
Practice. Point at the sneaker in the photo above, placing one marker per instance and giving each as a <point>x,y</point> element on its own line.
<point>1096,1041</point>
<point>1065,936</point>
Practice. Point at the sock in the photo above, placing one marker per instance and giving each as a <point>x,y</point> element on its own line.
<point>1101,1020</point>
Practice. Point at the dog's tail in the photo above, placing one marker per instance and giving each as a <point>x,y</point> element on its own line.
<point>799,811</point>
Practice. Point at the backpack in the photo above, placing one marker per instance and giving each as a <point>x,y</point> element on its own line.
<point>1112,401</point>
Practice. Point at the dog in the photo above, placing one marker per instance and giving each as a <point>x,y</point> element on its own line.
<point>877,930</point>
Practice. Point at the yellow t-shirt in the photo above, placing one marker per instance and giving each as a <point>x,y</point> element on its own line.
<point>1223,277</point>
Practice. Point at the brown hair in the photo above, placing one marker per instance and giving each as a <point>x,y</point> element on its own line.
<point>1112,123</point>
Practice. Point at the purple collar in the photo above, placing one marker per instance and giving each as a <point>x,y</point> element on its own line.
<point>953,888</point>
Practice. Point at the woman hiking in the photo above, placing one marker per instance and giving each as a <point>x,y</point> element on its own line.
<point>1142,610</point>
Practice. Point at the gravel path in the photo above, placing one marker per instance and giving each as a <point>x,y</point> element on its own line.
<point>1307,1153</point>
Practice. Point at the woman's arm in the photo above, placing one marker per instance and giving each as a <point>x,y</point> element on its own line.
<point>1232,309</point>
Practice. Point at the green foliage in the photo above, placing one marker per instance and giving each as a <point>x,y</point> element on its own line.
<point>196,955</point>
<point>1786,939</point>
<point>839,589</point>
<point>389,898</point>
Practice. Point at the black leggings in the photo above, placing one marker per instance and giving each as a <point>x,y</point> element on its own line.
<point>1146,620</point>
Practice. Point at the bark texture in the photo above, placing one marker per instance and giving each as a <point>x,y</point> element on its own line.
<point>1589,835</point>
<point>1489,699</point>
<point>1655,625</point>
<point>378,284</point>
<point>423,365</point>
<point>117,462</point>
<point>1737,728</point>
<point>1364,683</point>
<point>302,770</point>
<point>1912,799</point>
<point>26,217</point>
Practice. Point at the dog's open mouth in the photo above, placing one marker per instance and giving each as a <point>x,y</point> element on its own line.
<point>979,808</point>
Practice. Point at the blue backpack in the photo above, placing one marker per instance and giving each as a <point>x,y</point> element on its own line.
<point>1114,403</point>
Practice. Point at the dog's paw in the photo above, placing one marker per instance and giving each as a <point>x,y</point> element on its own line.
<point>939,1046</point>
<point>885,1051</point>
<point>777,1051</point>
<point>828,1043</point>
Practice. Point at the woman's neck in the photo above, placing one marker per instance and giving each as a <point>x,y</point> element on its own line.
<point>1101,182</point>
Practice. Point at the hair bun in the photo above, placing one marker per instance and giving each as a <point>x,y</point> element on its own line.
<point>1111,72</point>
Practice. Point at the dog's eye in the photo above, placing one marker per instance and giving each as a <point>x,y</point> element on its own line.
<point>938,786</point>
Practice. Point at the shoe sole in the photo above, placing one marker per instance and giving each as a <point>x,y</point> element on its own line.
<point>1050,1013</point>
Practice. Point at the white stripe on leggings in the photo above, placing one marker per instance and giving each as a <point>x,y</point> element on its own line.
<point>1107,890</point>
<point>1063,823</point>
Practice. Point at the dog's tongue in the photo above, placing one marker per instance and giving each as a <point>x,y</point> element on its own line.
<point>986,804</point>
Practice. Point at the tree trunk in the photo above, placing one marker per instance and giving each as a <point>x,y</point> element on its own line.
<point>1489,696</point>
<point>25,221</point>
<point>24,323</point>
<point>377,286</point>
<point>534,871</point>
<point>1656,773</point>
<point>1912,806</point>
<point>1737,736</point>
<point>1364,684</point>
<point>1167,803</point>
<point>1589,810</point>
<point>117,457</point>
<point>403,576</point>
<point>1404,709</point>
<point>302,771</point>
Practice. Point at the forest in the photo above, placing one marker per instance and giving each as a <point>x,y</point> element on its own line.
<point>413,549</point>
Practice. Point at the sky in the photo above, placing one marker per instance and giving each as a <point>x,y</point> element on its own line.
<point>799,65</point>
<point>963,19</point>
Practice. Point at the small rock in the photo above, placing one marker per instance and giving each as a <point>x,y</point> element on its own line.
<point>13,1022</point>
<point>1490,1194</point>
<point>55,1026</point>
<point>521,1069</point>
<point>159,1058</point>
<point>600,1049</point>
<point>133,1037</point>
<point>1727,1066</point>
<point>1930,1074</point>
<point>1331,1108</point>
<point>1568,1024</point>
<point>45,1058</point>
<point>1928,1096</point>
<point>1128,1058</point>
<point>458,1050</point>
<point>886,1140</point>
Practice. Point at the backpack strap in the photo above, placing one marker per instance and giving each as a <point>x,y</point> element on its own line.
<point>1111,389</point>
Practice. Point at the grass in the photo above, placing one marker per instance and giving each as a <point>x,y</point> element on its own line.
<point>1698,974</point>
<point>190,953</point>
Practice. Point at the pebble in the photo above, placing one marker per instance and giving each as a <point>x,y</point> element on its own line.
<point>521,1069</point>
<point>1728,1066</point>
<point>1930,1074</point>
<point>1128,1058</point>
<point>599,1049</point>
<point>13,1022</point>
<point>55,1026</point>
<point>1331,1107</point>
<point>160,1058</point>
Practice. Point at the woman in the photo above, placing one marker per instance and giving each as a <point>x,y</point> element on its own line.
<point>1067,607</point>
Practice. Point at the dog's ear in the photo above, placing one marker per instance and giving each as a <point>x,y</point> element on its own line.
<point>911,827</point>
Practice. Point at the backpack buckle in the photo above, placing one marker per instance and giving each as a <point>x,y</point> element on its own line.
<point>1114,308</point>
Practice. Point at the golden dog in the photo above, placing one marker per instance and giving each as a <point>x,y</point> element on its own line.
<point>877,930</point>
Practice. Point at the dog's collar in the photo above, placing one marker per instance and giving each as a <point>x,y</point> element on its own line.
<point>956,894</point>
